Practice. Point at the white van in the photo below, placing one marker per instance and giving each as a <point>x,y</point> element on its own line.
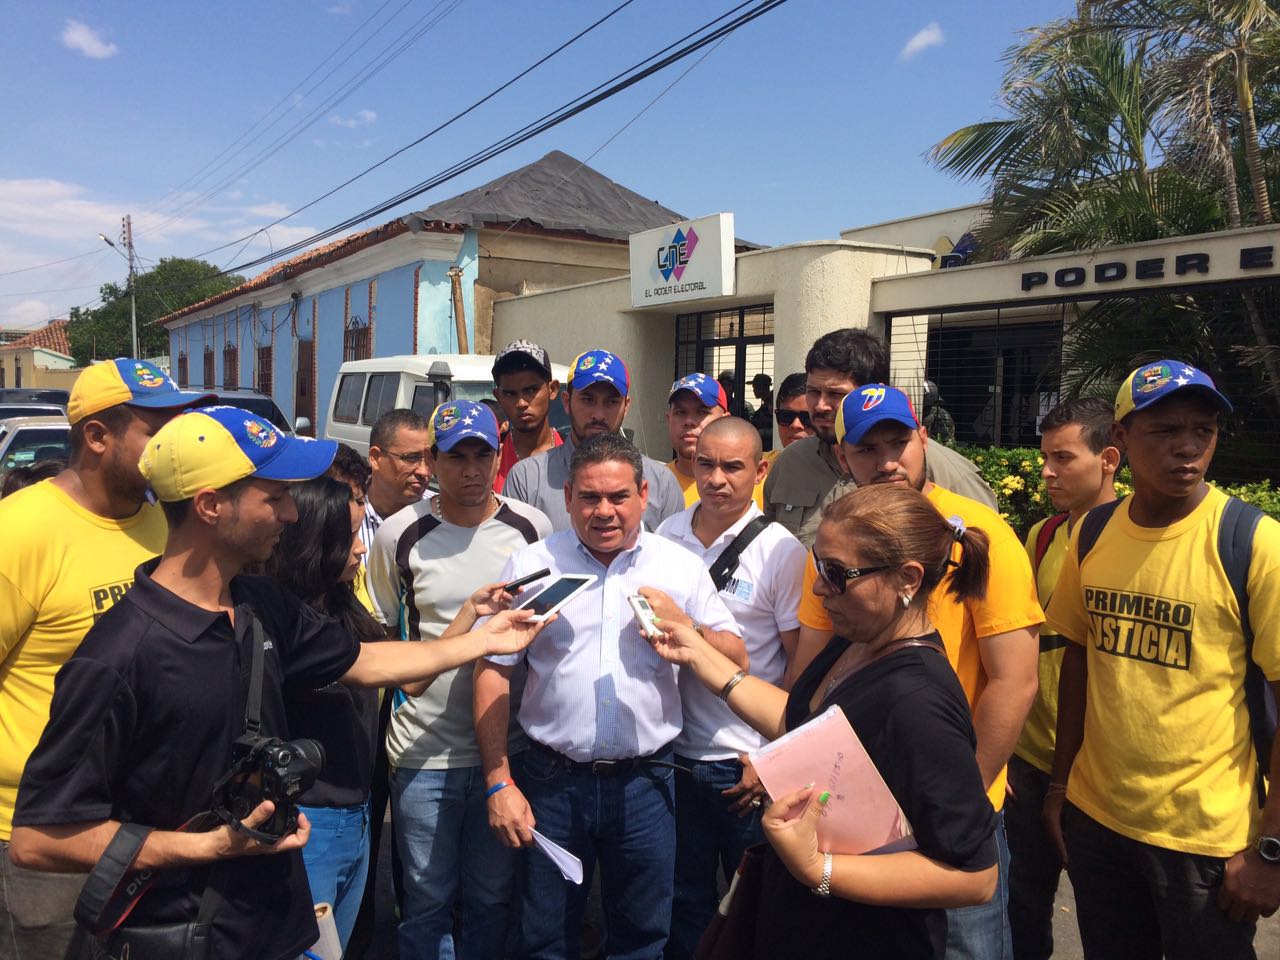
<point>366,389</point>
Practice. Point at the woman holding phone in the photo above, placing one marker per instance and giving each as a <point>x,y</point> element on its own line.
<point>881,550</point>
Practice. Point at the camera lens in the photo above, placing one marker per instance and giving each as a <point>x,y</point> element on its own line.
<point>312,751</point>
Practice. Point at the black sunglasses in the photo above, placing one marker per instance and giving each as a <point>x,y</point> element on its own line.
<point>787,417</point>
<point>837,576</point>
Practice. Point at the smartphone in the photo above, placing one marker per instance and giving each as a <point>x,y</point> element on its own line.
<point>550,599</point>
<point>526,580</point>
<point>645,617</point>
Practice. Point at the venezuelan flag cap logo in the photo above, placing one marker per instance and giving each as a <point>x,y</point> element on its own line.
<point>1153,382</point>
<point>137,383</point>
<point>869,405</point>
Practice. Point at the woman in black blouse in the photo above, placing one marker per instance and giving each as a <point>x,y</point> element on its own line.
<point>880,551</point>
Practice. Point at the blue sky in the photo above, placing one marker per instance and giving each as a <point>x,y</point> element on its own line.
<point>812,119</point>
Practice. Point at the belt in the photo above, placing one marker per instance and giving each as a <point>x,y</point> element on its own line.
<point>608,768</point>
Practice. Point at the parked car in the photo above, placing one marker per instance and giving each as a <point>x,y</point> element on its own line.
<point>59,398</point>
<point>366,389</point>
<point>8,410</point>
<point>262,405</point>
<point>27,440</point>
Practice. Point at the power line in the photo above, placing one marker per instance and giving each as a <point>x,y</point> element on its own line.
<point>53,263</point>
<point>431,18</point>
<point>432,132</point>
<point>288,97</point>
<point>572,108</point>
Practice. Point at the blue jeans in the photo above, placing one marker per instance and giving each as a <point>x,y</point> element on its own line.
<point>450,854</point>
<point>337,860</point>
<point>709,838</point>
<point>626,822</point>
<point>982,932</point>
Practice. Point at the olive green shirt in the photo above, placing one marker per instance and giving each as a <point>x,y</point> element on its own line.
<point>806,476</point>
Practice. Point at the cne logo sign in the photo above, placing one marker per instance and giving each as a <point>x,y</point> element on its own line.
<point>675,254</point>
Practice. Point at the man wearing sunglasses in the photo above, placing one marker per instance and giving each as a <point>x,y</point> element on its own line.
<point>791,413</point>
<point>992,643</point>
<point>803,477</point>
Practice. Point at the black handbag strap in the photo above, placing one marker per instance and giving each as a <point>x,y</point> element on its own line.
<point>727,562</point>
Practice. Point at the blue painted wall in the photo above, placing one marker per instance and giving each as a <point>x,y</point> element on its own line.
<point>437,331</point>
<point>275,324</point>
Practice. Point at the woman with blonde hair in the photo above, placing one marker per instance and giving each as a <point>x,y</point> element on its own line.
<point>881,551</point>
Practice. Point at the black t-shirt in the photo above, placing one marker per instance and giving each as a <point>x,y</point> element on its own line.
<point>910,713</point>
<point>140,729</point>
<point>345,721</point>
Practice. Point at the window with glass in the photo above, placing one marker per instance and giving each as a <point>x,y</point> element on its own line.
<point>736,347</point>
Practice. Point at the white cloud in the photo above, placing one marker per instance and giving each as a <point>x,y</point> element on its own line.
<point>362,118</point>
<point>77,35</point>
<point>44,220</point>
<point>929,36</point>
<point>28,313</point>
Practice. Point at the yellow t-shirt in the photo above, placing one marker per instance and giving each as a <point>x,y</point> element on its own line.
<point>1167,757</point>
<point>690,488</point>
<point>1038,733</point>
<point>1011,604</point>
<point>64,567</point>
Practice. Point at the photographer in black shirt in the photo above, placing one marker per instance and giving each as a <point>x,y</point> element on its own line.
<point>145,714</point>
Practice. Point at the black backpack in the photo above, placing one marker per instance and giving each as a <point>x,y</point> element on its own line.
<point>1235,550</point>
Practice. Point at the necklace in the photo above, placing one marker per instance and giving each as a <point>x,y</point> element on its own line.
<point>437,508</point>
<point>891,647</point>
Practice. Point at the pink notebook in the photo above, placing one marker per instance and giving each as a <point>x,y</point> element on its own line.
<point>862,815</point>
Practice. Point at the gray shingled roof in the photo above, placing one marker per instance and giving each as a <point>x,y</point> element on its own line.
<point>557,193</point>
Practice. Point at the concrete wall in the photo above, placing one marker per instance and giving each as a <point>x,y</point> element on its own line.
<point>40,368</point>
<point>814,288</point>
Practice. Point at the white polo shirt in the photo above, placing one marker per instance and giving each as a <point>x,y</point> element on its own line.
<point>763,595</point>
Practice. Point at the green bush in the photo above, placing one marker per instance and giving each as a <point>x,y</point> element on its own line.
<point>1014,474</point>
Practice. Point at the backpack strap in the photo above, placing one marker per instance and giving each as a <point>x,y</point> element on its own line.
<point>1236,530</point>
<point>1045,537</point>
<point>727,562</point>
<point>1091,527</point>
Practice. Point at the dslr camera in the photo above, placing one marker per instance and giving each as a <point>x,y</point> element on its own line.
<point>267,768</point>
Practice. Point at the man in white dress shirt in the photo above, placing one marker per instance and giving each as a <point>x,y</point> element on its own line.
<point>601,709</point>
<point>717,809</point>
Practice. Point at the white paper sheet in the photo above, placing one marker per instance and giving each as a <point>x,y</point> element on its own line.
<point>570,867</point>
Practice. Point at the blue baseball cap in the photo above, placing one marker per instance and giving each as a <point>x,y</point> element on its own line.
<point>707,390</point>
<point>459,420</point>
<point>599,366</point>
<point>137,383</point>
<point>213,447</point>
<point>871,404</point>
<point>1152,382</point>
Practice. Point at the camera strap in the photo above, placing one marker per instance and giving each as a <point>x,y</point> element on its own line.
<point>253,704</point>
<point>110,893</point>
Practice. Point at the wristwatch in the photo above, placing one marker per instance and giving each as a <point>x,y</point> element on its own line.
<point>1269,849</point>
<point>823,889</point>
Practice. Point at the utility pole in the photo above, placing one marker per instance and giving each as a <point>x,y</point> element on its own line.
<point>127,224</point>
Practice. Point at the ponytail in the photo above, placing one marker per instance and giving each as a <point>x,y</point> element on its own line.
<point>969,574</point>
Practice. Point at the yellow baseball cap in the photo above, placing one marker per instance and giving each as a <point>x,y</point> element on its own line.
<point>213,447</point>
<point>126,380</point>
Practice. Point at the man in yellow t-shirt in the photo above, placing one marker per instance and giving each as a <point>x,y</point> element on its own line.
<point>72,544</point>
<point>1154,775</point>
<point>1079,474</point>
<point>694,401</point>
<point>991,643</point>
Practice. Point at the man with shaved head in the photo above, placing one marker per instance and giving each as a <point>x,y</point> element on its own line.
<point>757,567</point>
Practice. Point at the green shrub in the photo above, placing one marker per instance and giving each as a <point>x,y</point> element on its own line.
<point>1014,474</point>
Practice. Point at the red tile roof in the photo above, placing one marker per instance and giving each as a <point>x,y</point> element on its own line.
<point>53,337</point>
